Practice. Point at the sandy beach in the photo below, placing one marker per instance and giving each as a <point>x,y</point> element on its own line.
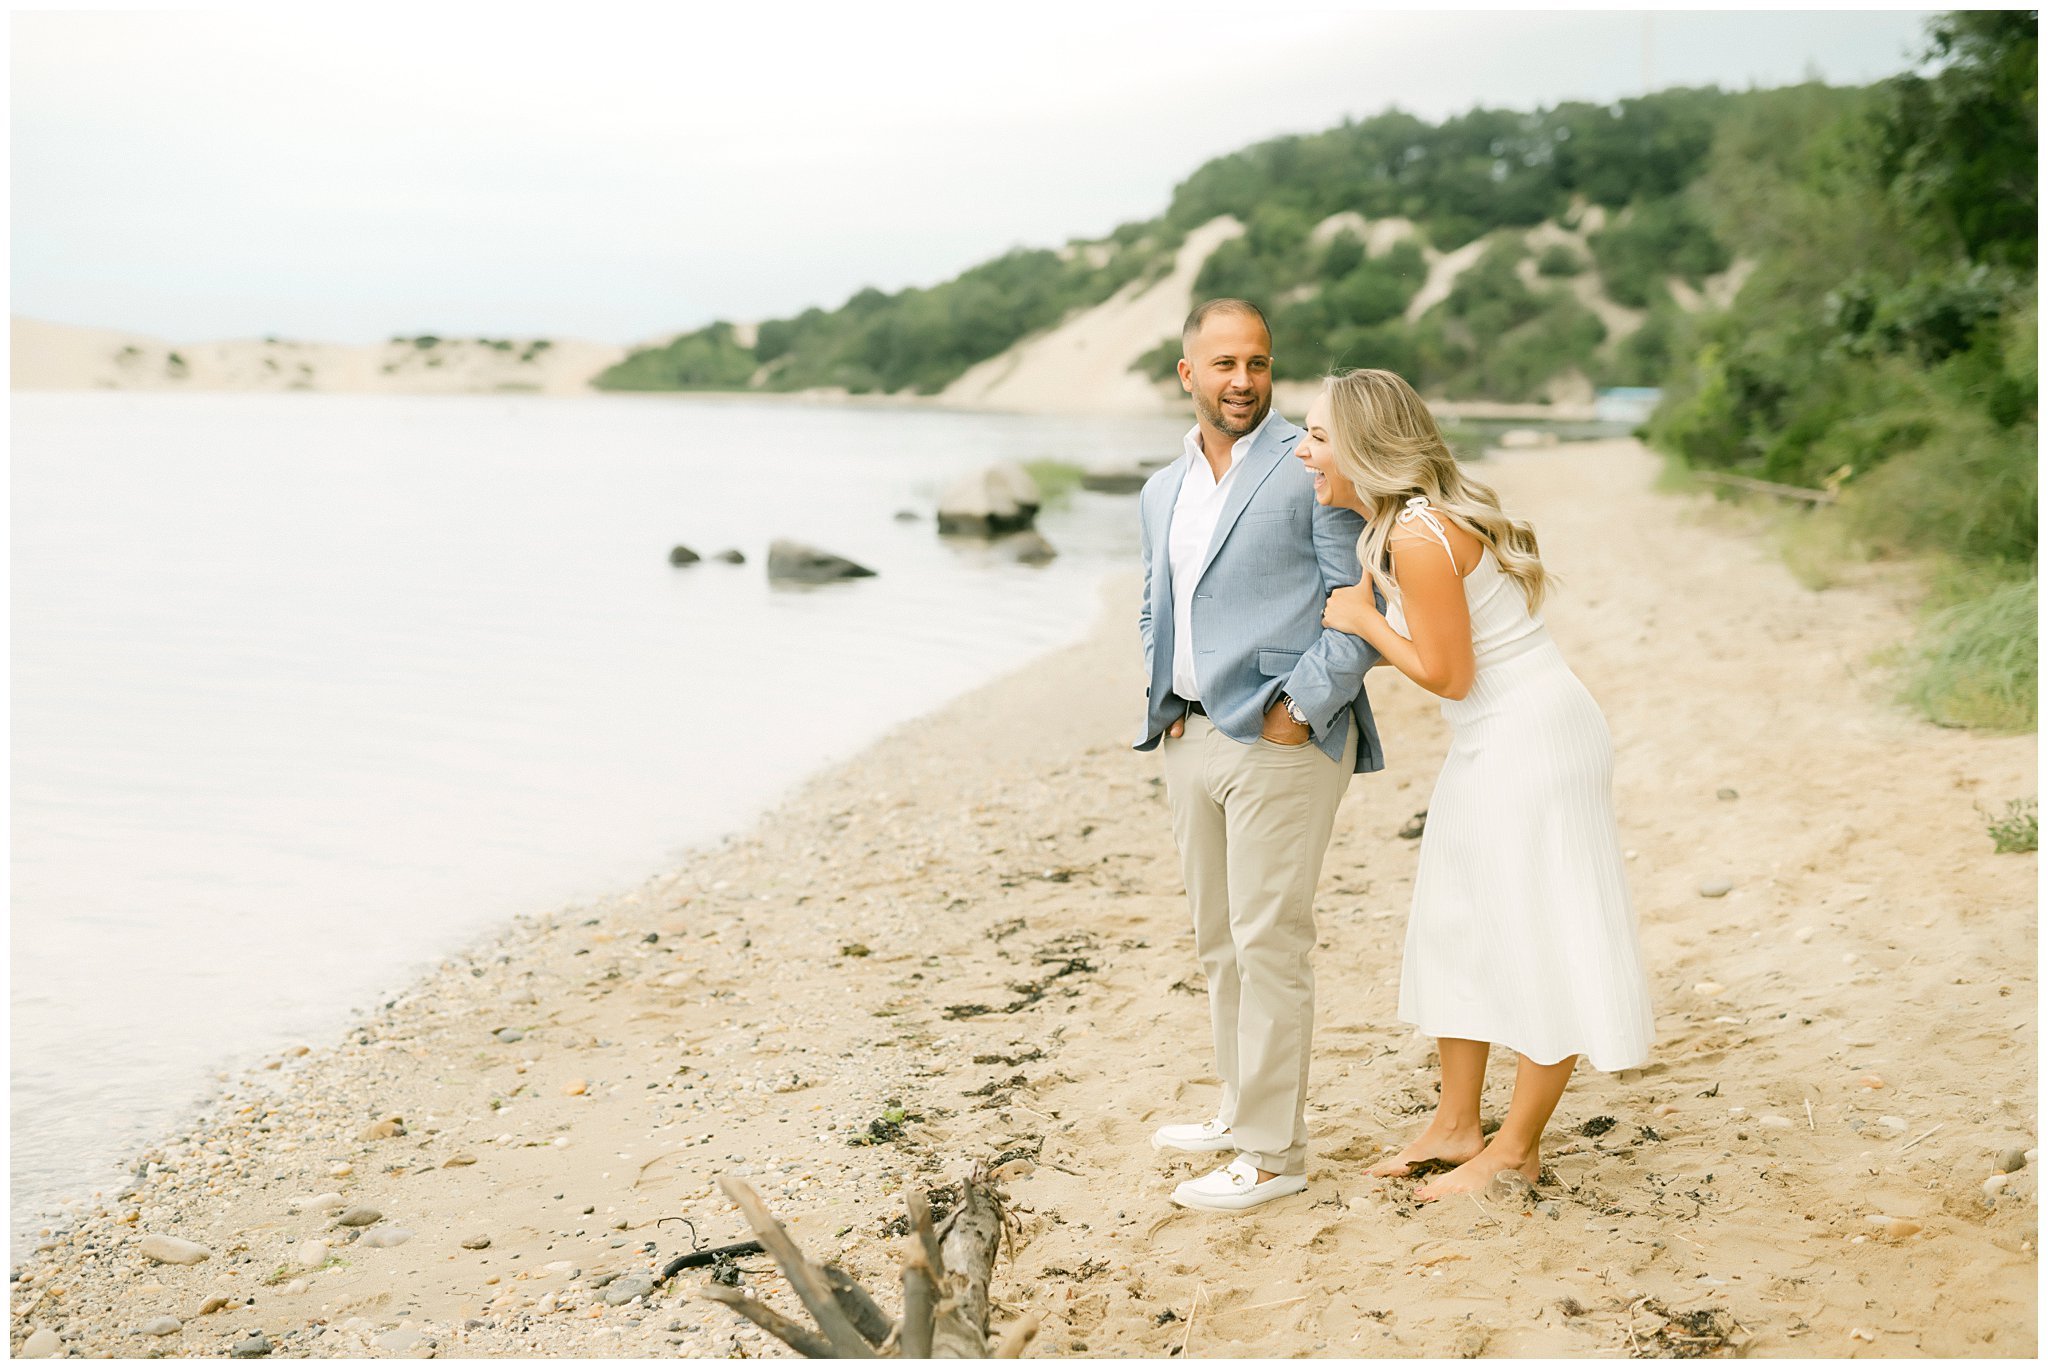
<point>970,945</point>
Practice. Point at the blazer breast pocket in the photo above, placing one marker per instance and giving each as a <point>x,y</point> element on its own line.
<point>1272,542</point>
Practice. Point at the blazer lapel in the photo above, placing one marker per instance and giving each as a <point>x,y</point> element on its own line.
<point>1162,558</point>
<point>1265,456</point>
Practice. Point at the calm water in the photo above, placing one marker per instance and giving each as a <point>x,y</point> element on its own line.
<point>311,690</point>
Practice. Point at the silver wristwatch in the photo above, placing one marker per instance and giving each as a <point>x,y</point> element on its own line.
<point>1293,709</point>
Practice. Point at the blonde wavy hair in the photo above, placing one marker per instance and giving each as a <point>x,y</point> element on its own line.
<point>1388,447</point>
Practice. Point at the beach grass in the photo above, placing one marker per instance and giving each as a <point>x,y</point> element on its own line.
<point>1977,661</point>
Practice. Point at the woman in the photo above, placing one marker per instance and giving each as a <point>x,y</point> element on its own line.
<point>1521,932</point>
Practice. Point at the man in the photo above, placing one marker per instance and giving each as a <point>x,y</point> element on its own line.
<point>1262,717</point>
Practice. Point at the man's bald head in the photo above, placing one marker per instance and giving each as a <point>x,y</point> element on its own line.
<point>1240,308</point>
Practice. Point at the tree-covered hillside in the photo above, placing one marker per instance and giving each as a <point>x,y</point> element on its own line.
<point>1622,171</point>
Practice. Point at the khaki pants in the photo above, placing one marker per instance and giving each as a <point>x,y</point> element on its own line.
<point>1252,823</point>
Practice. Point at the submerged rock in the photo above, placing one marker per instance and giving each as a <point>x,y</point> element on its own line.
<point>808,565</point>
<point>680,555</point>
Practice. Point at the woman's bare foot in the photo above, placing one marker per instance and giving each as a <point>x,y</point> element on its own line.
<point>1476,1173</point>
<point>1450,1145</point>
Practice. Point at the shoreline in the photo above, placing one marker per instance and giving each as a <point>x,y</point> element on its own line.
<point>969,943</point>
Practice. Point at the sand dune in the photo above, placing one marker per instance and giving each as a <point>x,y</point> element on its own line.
<point>1083,365</point>
<point>54,356</point>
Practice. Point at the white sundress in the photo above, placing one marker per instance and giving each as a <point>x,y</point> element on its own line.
<point>1521,932</point>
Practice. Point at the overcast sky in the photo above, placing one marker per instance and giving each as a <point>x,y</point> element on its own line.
<point>616,173</point>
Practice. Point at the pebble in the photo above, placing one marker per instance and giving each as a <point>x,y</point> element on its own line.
<point>1870,1081</point>
<point>1707,988</point>
<point>256,1347</point>
<point>525,998</point>
<point>1803,935</point>
<point>477,1243</point>
<point>1892,1123</point>
<point>1726,794</point>
<point>359,1216</point>
<point>1995,1185</point>
<point>1018,1168</point>
<point>383,1131</point>
<point>1774,1122</point>
<point>386,1238</point>
<point>310,1255</point>
<point>322,1202</point>
<point>509,1035</point>
<point>341,1171</point>
<point>623,1290</point>
<point>1668,1110</point>
<point>172,1250</point>
<point>41,1344</point>
<point>576,1088</point>
<point>1895,1228</point>
<point>2012,1159</point>
<point>1716,888</point>
<point>296,1287</point>
<point>162,1326</point>
<point>458,1161</point>
<point>215,1303</point>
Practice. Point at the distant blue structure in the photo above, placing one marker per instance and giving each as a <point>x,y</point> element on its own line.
<point>1630,404</point>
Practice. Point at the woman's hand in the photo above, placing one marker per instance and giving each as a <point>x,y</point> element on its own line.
<point>1351,610</point>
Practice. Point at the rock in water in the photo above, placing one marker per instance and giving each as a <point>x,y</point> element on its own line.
<point>1115,481</point>
<point>906,515</point>
<point>1030,548</point>
<point>809,566</point>
<point>731,556</point>
<point>680,555</point>
<point>41,1344</point>
<point>172,1250</point>
<point>998,499</point>
<point>623,1290</point>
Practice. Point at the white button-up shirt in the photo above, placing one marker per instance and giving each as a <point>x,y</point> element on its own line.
<point>1195,514</point>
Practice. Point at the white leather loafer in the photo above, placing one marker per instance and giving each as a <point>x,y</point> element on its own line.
<point>1201,1137</point>
<point>1236,1187</point>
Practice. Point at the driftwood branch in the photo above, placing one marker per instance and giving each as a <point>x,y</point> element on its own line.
<point>807,1279</point>
<point>1770,487</point>
<point>796,1336</point>
<point>968,1247</point>
<point>920,1298</point>
<point>1017,1336</point>
<point>946,1274</point>
<point>868,1319</point>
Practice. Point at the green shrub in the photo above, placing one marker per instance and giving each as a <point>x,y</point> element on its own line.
<point>1559,260</point>
<point>2018,829</point>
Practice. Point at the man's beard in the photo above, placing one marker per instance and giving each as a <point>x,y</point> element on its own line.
<point>1212,413</point>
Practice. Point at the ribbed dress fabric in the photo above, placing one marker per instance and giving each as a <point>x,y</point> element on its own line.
<point>1521,932</point>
